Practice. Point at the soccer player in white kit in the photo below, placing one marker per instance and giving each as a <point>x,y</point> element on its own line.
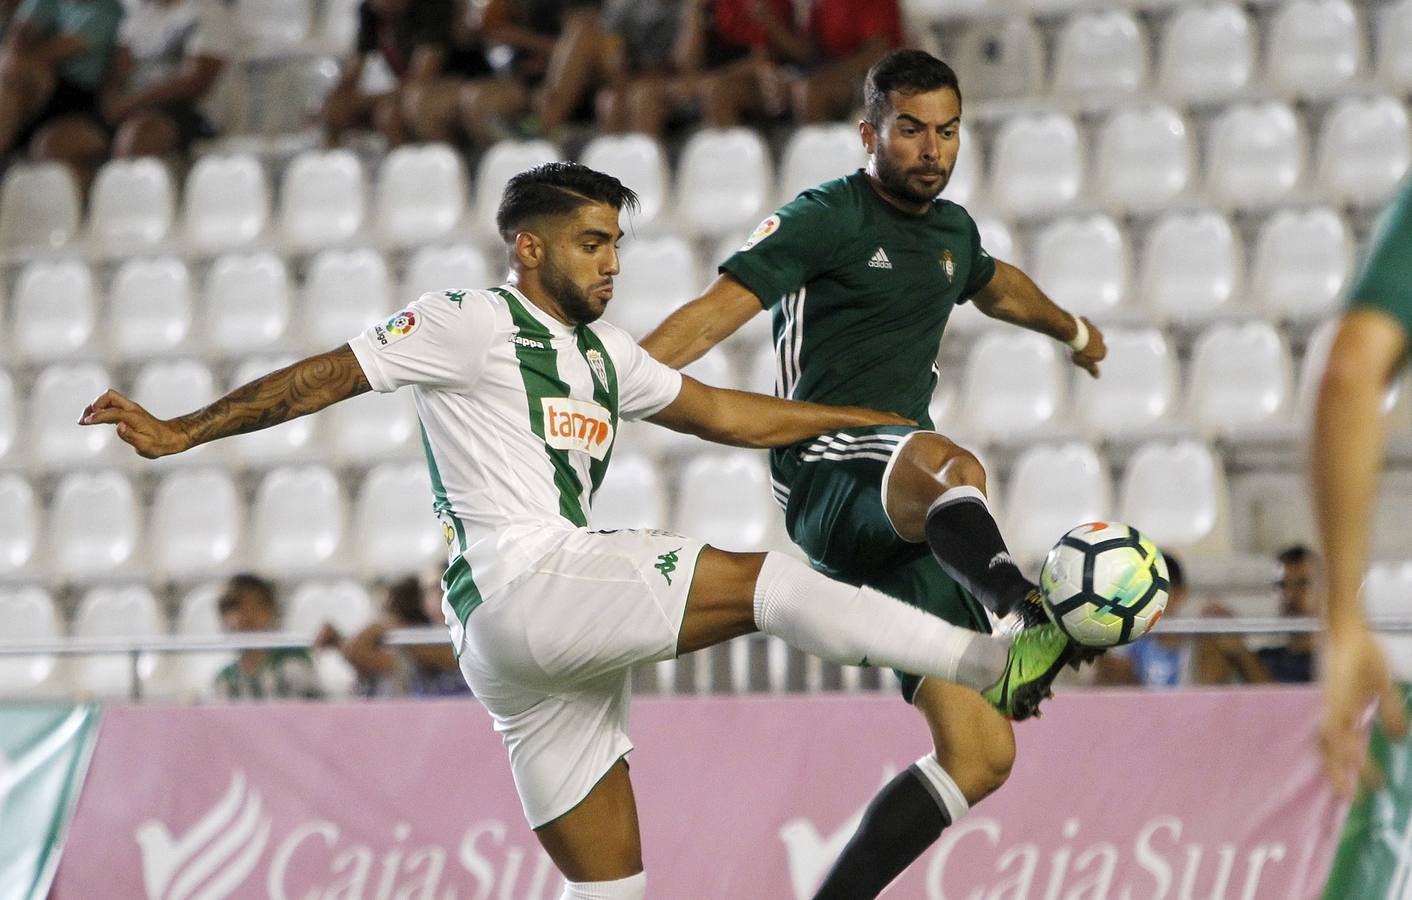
<point>520,390</point>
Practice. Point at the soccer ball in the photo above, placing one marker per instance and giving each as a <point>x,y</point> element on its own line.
<point>1104,584</point>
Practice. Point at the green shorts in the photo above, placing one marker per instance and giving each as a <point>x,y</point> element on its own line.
<point>831,488</point>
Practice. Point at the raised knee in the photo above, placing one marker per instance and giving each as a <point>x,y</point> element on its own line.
<point>983,768</point>
<point>953,464</point>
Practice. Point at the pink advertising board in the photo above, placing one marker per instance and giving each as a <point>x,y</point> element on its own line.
<point>1115,796</point>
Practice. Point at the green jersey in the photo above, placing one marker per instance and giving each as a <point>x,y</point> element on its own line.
<point>860,292</point>
<point>1385,280</point>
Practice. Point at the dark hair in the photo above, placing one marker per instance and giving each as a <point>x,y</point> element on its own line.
<point>908,72</point>
<point>404,601</point>
<point>1175,576</point>
<point>557,189</point>
<point>1296,553</point>
<point>248,581</point>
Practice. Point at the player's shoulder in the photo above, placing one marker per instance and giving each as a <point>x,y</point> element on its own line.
<point>951,211</point>
<point>838,195</point>
<point>614,339</point>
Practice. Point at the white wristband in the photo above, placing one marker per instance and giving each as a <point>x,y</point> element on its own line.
<point>1080,339</point>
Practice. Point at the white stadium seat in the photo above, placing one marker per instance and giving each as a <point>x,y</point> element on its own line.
<point>638,161</point>
<point>458,266</point>
<point>52,433</point>
<point>290,440</point>
<point>1387,594</point>
<point>27,613</point>
<point>964,185</point>
<point>345,292</point>
<point>500,163</point>
<point>195,525</point>
<point>274,24</point>
<point>1302,260</point>
<point>715,369</point>
<point>374,426</point>
<point>1144,157</point>
<point>227,201</point>
<point>132,203</point>
<point>95,525</point>
<point>926,12</point>
<point>298,520</point>
<point>726,501</point>
<point>723,182</point>
<point>9,414</point>
<point>632,495</point>
<point>170,388</point>
<point>421,193</point>
<point>1138,387</point>
<point>19,526</point>
<point>149,307</point>
<point>998,240</point>
<point>53,310</point>
<point>658,275</point>
<point>116,612</point>
<point>1256,154</point>
<point>1082,262</point>
<point>1102,52</point>
<point>395,531</point>
<point>1036,164</point>
<point>322,198</point>
<point>1207,53</point>
<point>197,616</point>
<point>1364,150</point>
<point>1394,36</point>
<point>819,153</point>
<point>1311,372</point>
<point>1315,47</point>
<point>999,57</point>
<point>1192,264</point>
<point>1014,383</point>
<point>344,604</point>
<point>1239,377</point>
<point>1051,489</point>
<point>1174,492</point>
<point>247,302</point>
<point>39,206</point>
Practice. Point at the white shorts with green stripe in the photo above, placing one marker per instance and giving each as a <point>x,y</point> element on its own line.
<point>550,654</point>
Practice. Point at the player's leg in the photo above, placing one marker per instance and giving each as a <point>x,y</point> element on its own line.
<point>596,845</point>
<point>934,491</point>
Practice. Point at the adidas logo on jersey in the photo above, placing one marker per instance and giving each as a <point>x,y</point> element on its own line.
<point>880,260</point>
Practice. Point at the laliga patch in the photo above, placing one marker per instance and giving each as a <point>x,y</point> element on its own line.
<point>396,328</point>
<point>576,425</point>
<point>762,231</point>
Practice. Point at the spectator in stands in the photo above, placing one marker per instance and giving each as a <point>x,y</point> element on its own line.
<point>430,671</point>
<point>557,60</point>
<point>248,604</point>
<point>642,85</point>
<point>1156,660</point>
<point>431,51</point>
<point>55,64</point>
<point>729,49</point>
<point>1296,578</point>
<point>844,38</point>
<point>170,56</point>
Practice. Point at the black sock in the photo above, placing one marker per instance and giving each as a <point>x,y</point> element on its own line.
<point>903,820</point>
<point>964,538</point>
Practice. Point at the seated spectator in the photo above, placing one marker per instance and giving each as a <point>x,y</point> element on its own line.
<point>730,48</point>
<point>1155,660</point>
<point>1291,662</point>
<point>171,53</point>
<point>55,64</point>
<point>248,604</point>
<point>431,52</point>
<point>847,37</point>
<point>424,671</point>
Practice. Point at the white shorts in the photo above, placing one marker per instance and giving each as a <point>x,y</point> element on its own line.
<point>550,655</point>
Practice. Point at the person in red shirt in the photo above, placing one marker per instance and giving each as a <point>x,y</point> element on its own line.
<point>846,36</point>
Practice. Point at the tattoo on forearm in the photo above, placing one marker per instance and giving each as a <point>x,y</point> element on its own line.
<point>296,390</point>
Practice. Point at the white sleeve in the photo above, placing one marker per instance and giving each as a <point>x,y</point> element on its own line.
<point>645,385</point>
<point>441,340</point>
<point>215,30</point>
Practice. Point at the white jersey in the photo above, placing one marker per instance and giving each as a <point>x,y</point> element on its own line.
<point>518,414</point>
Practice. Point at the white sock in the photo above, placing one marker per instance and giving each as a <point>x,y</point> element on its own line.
<point>943,789</point>
<point>634,887</point>
<point>850,625</point>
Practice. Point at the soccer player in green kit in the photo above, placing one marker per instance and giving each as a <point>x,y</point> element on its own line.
<point>861,274</point>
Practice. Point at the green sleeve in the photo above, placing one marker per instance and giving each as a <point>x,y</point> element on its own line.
<point>1385,279</point>
<point>789,249</point>
<point>982,266</point>
<point>44,13</point>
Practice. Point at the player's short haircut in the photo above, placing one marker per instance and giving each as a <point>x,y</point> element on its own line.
<point>404,601</point>
<point>1296,553</point>
<point>907,72</point>
<point>1175,576</point>
<point>262,588</point>
<point>557,189</point>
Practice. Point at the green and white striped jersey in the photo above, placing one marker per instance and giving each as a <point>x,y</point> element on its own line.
<point>518,413</point>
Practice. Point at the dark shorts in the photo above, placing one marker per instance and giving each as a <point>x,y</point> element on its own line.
<point>834,512</point>
<point>67,100</point>
<point>190,124</point>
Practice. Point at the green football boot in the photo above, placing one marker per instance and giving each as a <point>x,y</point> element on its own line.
<point>1037,656</point>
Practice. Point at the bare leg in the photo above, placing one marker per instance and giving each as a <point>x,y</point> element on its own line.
<point>75,141</point>
<point>598,840</point>
<point>573,67</point>
<point>431,109</point>
<point>24,89</point>
<point>485,102</point>
<point>147,133</point>
<point>346,109</point>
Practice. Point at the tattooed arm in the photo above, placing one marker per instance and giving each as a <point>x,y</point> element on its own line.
<point>296,390</point>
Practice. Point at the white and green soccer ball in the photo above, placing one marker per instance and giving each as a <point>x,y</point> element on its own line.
<point>1104,584</point>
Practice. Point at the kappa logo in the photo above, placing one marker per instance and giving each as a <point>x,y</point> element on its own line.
<point>526,342</point>
<point>455,296</point>
<point>576,425</point>
<point>215,856</point>
<point>667,564</point>
<point>880,260</point>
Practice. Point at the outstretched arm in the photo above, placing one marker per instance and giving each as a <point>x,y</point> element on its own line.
<point>743,419</point>
<point>1013,297</point>
<point>1346,457</point>
<point>687,334</point>
<point>296,390</point>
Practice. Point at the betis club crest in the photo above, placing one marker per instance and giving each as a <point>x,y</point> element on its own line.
<point>948,264</point>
